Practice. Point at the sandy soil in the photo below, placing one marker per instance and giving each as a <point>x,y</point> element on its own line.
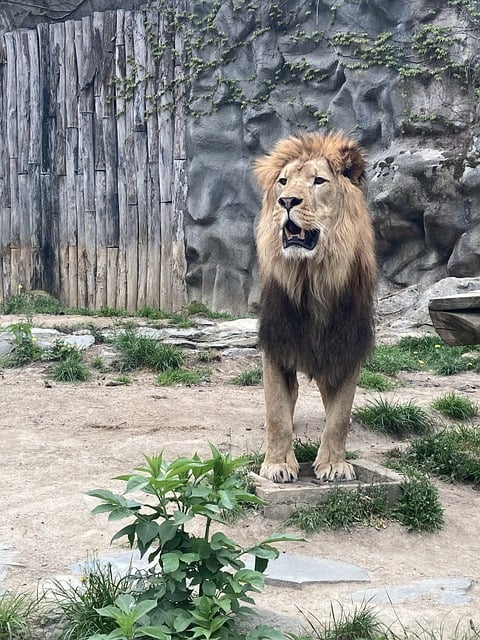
<point>60,440</point>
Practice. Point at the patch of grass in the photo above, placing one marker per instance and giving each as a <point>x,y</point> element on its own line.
<point>71,369</point>
<point>181,376</point>
<point>343,509</point>
<point>98,363</point>
<point>306,450</point>
<point>360,624</point>
<point>25,348</point>
<point>374,381</point>
<point>456,407</point>
<point>452,455</point>
<point>197,308</point>
<point>419,508</point>
<point>31,302</point>
<point>248,378</point>
<point>424,353</point>
<point>136,351</point>
<point>78,604</point>
<point>207,355</point>
<point>395,419</point>
<point>436,355</point>
<point>16,613</point>
<point>123,379</point>
<point>390,360</point>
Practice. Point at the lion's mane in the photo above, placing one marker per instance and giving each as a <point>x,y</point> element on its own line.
<point>316,315</point>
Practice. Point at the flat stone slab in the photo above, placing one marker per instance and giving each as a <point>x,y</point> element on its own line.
<point>447,590</point>
<point>7,555</point>
<point>282,499</point>
<point>293,570</point>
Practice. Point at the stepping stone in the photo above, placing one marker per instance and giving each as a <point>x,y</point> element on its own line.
<point>122,563</point>
<point>6,560</point>
<point>447,590</point>
<point>293,570</point>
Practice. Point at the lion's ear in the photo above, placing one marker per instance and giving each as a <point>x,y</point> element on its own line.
<point>351,162</point>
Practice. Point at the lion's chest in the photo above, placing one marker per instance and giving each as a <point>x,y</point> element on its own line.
<point>323,342</point>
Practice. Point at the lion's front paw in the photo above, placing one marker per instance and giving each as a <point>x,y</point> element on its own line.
<point>334,471</point>
<point>279,471</point>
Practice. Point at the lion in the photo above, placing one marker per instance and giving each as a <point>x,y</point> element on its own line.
<point>316,255</point>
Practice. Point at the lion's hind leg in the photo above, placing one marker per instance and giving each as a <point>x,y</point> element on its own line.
<point>281,391</point>
<point>330,463</point>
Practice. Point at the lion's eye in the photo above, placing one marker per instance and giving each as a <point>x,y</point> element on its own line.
<point>319,180</point>
<point>282,181</point>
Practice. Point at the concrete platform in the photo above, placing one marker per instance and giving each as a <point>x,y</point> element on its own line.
<point>282,499</point>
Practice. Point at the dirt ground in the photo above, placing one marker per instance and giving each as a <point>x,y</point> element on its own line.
<point>60,440</point>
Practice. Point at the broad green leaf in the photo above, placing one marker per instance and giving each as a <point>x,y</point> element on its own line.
<point>250,576</point>
<point>179,517</point>
<point>147,531</point>
<point>154,632</point>
<point>167,531</point>
<point>227,499</point>
<point>142,608</point>
<point>219,540</point>
<point>263,632</point>
<point>208,588</point>
<point>128,531</point>
<point>136,483</point>
<point>170,562</point>
<point>182,620</point>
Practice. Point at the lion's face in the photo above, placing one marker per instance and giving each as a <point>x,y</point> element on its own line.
<point>303,211</point>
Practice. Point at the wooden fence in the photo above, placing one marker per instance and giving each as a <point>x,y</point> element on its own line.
<point>92,174</point>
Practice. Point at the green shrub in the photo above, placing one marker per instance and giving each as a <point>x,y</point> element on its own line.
<point>25,349</point>
<point>395,419</point>
<point>198,585</point>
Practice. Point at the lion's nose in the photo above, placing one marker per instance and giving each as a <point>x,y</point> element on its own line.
<point>289,203</point>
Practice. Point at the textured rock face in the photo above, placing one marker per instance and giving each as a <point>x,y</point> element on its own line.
<point>400,77</point>
<point>423,182</point>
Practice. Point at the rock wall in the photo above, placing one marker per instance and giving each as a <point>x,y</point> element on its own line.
<point>401,77</point>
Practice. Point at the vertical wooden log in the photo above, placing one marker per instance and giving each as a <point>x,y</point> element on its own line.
<point>11,153</point>
<point>57,161</point>
<point>103,51</point>
<point>179,199</point>
<point>165,130</point>
<point>34,162</point>
<point>22,98</point>
<point>57,79</point>
<point>5,212</point>
<point>71,77</point>
<point>141,153</point>
<point>153,185</point>
<point>131,226</point>
<point>87,248</point>
<point>120,72</point>
<point>71,231</point>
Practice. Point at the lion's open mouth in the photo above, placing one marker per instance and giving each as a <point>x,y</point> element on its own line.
<point>294,236</point>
